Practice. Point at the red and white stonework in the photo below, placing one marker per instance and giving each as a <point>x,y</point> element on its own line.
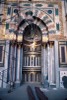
<point>33,42</point>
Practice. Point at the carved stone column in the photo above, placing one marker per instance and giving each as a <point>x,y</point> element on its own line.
<point>6,63</point>
<point>14,63</point>
<point>18,66</point>
<point>51,63</point>
<point>48,57</point>
<point>56,62</point>
<point>44,63</point>
<point>11,64</point>
<point>21,63</point>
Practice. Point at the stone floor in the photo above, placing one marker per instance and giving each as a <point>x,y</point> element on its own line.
<point>21,93</point>
<point>18,94</point>
<point>55,94</point>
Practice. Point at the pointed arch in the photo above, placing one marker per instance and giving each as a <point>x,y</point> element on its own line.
<point>41,19</point>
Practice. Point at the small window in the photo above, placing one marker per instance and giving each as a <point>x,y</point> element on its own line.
<point>62,54</point>
<point>57,27</point>
<point>56,11</point>
<point>9,11</point>
<point>7,26</point>
<point>16,11</point>
<point>50,11</point>
<point>63,59</point>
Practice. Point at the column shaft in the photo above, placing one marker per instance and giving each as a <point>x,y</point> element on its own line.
<point>56,63</point>
<point>14,69</point>
<point>18,65</point>
<point>42,68</point>
<point>4,74</point>
<point>49,69</point>
<point>21,63</point>
<point>11,64</point>
<point>44,63</point>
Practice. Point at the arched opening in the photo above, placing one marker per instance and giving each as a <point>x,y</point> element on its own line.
<point>32,39</point>
<point>31,77</point>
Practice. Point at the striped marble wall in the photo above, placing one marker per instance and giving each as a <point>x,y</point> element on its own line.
<point>45,12</point>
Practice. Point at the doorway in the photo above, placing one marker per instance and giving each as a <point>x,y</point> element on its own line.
<point>32,54</point>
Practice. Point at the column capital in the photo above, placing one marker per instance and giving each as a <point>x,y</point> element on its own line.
<point>19,45</point>
<point>51,43</point>
<point>44,45</point>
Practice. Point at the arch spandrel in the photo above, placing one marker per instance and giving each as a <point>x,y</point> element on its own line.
<point>42,16</point>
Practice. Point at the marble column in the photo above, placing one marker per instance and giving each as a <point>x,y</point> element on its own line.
<point>56,62</point>
<point>51,64</point>
<point>6,64</point>
<point>18,66</point>
<point>44,63</point>
<point>51,69</point>
<point>21,63</point>
<point>49,58</point>
<point>14,63</point>
<point>11,65</point>
<point>6,54</point>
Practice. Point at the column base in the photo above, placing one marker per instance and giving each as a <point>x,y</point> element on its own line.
<point>17,84</point>
<point>46,84</point>
<point>9,85</point>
